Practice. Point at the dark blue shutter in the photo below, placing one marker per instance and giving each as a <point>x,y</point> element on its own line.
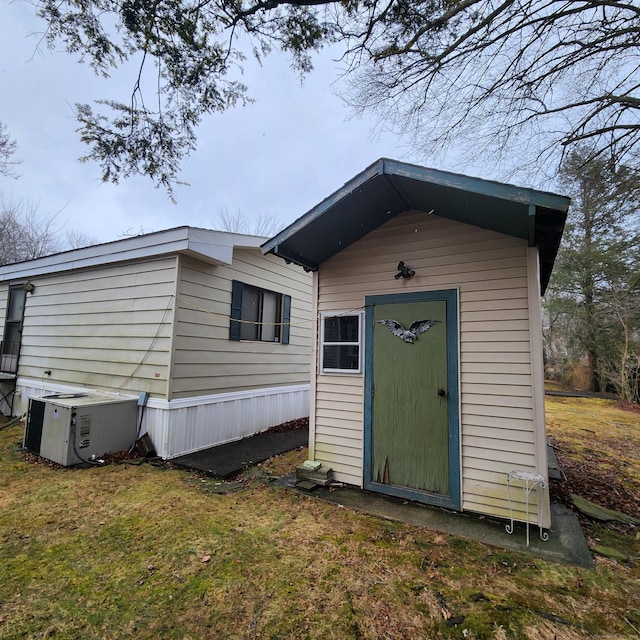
<point>236,310</point>
<point>286,319</point>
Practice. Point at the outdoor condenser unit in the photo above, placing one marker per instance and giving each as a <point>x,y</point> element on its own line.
<point>96,424</point>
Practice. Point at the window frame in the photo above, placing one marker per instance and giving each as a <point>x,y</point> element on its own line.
<point>283,312</point>
<point>359,343</point>
<point>13,323</point>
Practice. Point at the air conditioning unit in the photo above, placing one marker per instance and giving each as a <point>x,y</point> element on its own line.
<point>74,428</point>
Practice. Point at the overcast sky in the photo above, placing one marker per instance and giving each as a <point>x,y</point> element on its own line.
<point>281,155</point>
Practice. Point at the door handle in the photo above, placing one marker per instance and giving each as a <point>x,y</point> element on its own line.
<point>442,393</point>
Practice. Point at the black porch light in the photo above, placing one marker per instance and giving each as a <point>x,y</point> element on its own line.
<point>404,271</point>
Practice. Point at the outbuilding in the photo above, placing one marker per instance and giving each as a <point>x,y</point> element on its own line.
<point>427,377</point>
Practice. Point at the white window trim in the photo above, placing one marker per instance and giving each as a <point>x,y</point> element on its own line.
<point>359,343</point>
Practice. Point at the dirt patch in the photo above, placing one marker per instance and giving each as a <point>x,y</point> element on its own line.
<point>597,444</point>
<point>625,405</point>
<point>292,425</point>
<point>592,475</point>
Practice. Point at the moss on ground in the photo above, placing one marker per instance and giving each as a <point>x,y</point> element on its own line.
<point>126,551</point>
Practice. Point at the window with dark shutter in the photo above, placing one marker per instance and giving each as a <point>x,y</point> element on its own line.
<point>259,314</point>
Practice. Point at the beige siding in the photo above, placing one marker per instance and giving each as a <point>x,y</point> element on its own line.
<point>106,328</point>
<point>4,295</point>
<point>205,360</point>
<point>497,411</point>
<point>339,419</point>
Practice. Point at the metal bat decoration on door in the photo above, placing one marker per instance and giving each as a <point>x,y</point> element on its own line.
<point>411,334</point>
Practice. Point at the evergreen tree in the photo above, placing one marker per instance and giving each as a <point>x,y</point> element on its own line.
<point>593,300</point>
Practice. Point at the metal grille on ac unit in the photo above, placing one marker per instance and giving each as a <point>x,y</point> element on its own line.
<point>72,428</point>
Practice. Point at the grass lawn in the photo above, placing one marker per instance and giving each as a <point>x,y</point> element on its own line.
<point>125,551</point>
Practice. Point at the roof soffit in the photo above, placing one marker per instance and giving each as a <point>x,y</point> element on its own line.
<point>388,187</point>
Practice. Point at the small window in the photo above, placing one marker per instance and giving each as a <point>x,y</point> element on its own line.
<point>341,343</point>
<point>259,314</point>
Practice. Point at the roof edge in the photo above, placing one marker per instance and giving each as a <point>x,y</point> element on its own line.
<point>387,166</point>
<point>481,186</point>
<point>373,170</point>
<point>209,245</point>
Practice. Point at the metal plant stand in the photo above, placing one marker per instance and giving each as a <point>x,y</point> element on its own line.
<point>530,482</point>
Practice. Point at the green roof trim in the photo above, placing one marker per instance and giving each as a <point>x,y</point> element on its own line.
<point>389,187</point>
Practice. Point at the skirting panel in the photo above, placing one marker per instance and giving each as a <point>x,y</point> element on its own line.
<point>191,424</point>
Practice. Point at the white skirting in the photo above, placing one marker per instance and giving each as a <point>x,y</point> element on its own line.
<point>190,424</point>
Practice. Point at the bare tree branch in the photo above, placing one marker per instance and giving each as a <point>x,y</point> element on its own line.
<point>7,151</point>
<point>24,234</point>
<point>265,225</point>
<point>481,73</point>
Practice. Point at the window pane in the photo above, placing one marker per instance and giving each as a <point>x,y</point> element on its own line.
<point>10,347</point>
<point>341,329</point>
<point>250,313</point>
<point>270,304</point>
<point>341,357</point>
<point>16,304</point>
<point>260,314</point>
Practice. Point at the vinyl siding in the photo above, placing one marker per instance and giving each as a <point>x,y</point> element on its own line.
<point>4,294</point>
<point>106,329</point>
<point>339,418</point>
<point>205,360</point>
<point>499,427</point>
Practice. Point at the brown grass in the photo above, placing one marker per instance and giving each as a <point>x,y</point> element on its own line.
<point>127,551</point>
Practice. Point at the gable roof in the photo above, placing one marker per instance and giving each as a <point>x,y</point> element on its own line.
<point>389,187</point>
<point>214,247</point>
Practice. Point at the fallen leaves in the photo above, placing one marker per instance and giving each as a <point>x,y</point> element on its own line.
<point>594,475</point>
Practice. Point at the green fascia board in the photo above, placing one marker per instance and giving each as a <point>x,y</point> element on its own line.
<point>469,207</point>
<point>480,186</point>
<point>317,211</point>
<point>389,187</point>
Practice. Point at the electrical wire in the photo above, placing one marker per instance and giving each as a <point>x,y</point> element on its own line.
<point>225,316</point>
<point>153,341</point>
<point>216,315</point>
<point>13,422</point>
<point>95,463</point>
<point>139,430</point>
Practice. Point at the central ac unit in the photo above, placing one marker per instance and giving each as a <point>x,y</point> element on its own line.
<point>74,428</point>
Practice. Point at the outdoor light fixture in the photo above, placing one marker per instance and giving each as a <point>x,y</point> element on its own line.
<point>404,272</point>
<point>29,287</point>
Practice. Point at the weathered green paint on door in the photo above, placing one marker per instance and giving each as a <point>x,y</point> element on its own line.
<point>412,428</point>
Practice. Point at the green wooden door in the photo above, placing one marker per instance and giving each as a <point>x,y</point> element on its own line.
<point>411,394</point>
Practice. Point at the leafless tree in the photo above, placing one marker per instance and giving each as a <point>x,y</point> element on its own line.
<point>77,239</point>
<point>24,235</point>
<point>7,151</point>
<point>265,225</point>
<point>523,78</point>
